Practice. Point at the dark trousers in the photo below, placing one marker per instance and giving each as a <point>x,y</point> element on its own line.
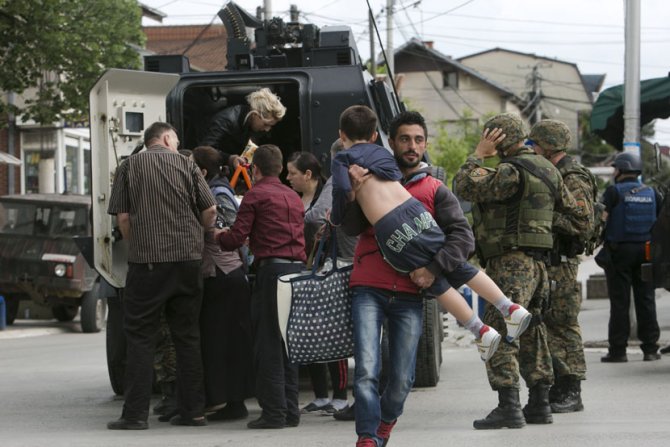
<point>276,378</point>
<point>226,338</point>
<point>339,378</point>
<point>624,274</point>
<point>150,288</point>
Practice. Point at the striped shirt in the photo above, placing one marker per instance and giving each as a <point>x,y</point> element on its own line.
<point>164,193</point>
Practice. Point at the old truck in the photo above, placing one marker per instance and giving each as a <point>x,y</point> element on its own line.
<point>317,73</point>
<point>40,260</point>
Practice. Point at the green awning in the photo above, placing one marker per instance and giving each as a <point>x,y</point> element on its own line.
<point>607,113</point>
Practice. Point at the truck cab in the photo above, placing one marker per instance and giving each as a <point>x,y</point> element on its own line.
<point>317,73</point>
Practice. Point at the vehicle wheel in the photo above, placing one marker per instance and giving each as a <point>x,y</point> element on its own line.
<point>11,309</point>
<point>93,310</point>
<point>64,312</point>
<point>116,346</point>
<point>429,352</point>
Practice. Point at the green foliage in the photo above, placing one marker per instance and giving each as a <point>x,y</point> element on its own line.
<point>454,143</point>
<point>594,149</point>
<point>61,47</point>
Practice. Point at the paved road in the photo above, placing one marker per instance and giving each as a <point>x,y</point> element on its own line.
<point>55,392</point>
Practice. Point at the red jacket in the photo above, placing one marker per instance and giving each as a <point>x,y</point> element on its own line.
<point>370,269</point>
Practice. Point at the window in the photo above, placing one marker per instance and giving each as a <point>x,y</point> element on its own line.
<point>450,79</point>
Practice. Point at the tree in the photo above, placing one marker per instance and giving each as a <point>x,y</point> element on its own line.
<point>60,48</point>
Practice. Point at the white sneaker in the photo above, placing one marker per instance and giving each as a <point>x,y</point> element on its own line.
<point>488,341</point>
<point>517,322</point>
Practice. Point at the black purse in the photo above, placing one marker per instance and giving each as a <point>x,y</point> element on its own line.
<point>314,310</point>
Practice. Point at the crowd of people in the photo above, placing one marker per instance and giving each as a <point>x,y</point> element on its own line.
<point>219,341</point>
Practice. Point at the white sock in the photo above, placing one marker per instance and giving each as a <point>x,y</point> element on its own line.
<point>503,304</point>
<point>474,325</point>
<point>339,404</point>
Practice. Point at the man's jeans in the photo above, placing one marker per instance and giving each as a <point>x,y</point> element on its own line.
<point>404,313</point>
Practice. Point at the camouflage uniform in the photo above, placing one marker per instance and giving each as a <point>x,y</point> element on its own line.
<point>519,272</point>
<point>563,331</point>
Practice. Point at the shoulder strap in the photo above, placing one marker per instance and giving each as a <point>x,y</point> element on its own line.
<point>221,189</point>
<point>534,170</point>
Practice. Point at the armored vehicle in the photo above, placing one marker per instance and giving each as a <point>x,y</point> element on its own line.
<point>317,73</point>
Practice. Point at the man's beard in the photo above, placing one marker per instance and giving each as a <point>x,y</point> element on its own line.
<point>408,164</point>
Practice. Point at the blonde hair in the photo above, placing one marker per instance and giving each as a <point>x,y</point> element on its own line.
<point>266,104</point>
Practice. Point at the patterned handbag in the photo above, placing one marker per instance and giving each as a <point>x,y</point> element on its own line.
<point>315,311</point>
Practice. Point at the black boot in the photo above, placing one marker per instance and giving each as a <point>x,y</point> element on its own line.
<point>572,399</point>
<point>538,410</point>
<point>506,414</point>
<point>558,389</point>
<point>168,402</point>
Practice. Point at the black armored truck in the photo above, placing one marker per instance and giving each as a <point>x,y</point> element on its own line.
<point>317,73</point>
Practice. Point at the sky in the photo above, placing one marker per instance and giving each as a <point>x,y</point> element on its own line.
<point>589,33</point>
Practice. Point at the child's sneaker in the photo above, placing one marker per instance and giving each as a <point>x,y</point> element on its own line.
<point>517,322</point>
<point>384,431</point>
<point>488,341</point>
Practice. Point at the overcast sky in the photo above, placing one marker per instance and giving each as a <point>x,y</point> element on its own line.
<point>589,33</point>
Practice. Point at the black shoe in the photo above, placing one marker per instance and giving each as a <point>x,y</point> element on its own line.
<point>167,417</point>
<point>178,420</point>
<point>292,422</point>
<point>665,350</point>
<point>232,411</point>
<point>507,414</point>
<point>611,358</point>
<point>651,356</point>
<point>262,423</point>
<point>127,424</point>
<point>346,414</point>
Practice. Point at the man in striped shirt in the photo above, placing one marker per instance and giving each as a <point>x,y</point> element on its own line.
<point>162,205</point>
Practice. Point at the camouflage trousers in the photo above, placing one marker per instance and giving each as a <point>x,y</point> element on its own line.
<point>563,332</point>
<point>524,281</point>
<point>165,358</point>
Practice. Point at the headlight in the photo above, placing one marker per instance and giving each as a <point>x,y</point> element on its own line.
<point>59,270</point>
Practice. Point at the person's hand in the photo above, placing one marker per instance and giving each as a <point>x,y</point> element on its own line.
<point>358,176</point>
<point>487,143</point>
<point>235,160</point>
<point>422,277</point>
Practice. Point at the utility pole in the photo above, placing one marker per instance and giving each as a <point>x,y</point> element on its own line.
<point>631,111</point>
<point>534,83</point>
<point>267,9</point>
<point>373,57</point>
<point>389,37</point>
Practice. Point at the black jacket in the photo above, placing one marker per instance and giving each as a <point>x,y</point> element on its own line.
<point>227,131</point>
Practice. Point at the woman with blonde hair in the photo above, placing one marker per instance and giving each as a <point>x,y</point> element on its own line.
<point>231,129</point>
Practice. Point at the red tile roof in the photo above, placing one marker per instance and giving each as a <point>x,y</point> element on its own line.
<point>206,44</point>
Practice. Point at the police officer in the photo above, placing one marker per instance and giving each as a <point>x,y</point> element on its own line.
<point>551,138</point>
<point>632,208</point>
<point>513,211</point>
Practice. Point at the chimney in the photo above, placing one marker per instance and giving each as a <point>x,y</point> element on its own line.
<point>428,44</point>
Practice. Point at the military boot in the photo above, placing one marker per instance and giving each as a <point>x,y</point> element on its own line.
<point>506,414</point>
<point>572,399</point>
<point>168,402</point>
<point>558,389</point>
<point>538,410</point>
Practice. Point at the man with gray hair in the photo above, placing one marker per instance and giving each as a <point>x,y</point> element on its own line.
<point>513,212</point>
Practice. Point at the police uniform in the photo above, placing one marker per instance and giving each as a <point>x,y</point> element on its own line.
<point>632,210</point>
<point>513,214</point>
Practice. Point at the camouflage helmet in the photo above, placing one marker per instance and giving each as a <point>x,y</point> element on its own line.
<point>511,126</point>
<point>552,135</point>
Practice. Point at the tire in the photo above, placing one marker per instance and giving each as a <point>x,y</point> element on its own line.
<point>116,346</point>
<point>11,309</point>
<point>64,312</point>
<point>93,310</point>
<point>429,352</point>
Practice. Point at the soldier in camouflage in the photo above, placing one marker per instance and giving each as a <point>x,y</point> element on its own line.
<point>513,216</point>
<point>551,138</point>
